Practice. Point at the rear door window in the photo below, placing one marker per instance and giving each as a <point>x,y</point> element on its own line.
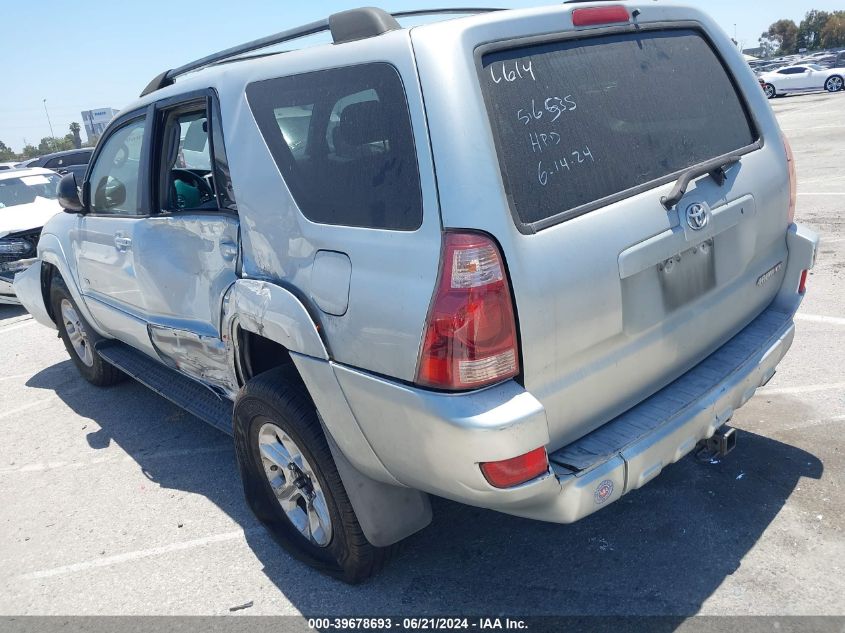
<point>579,123</point>
<point>342,139</point>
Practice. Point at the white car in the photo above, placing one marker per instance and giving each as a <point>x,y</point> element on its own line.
<point>7,166</point>
<point>803,78</point>
<point>27,200</point>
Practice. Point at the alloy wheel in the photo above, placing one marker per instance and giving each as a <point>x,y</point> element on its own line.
<point>76,333</point>
<point>295,485</point>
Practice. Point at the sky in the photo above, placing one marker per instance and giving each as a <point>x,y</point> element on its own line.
<point>91,54</point>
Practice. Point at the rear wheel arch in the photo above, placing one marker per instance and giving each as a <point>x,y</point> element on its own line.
<point>256,354</point>
<point>834,83</point>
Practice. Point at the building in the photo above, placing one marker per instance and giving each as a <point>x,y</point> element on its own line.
<point>755,52</point>
<point>96,121</point>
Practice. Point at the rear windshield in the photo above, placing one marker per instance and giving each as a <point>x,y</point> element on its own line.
<point>587,120</point>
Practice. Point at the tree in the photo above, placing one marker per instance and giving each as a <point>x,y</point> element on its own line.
<point>30,151</point>
<point>6,153</point>
<point>50,144</point>
<point>833,33</point>
<point>810,29</point>
<point>74,130</point>
<point>783,34</point>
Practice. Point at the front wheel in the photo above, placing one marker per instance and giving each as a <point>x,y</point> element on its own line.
<point>79,338</point>
<point>834,84</point>
<point>770,91</point>
<point>291,482</point>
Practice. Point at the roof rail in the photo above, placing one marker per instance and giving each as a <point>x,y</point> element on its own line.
<point>346,26</point>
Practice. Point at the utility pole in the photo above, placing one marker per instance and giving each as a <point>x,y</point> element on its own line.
<point>52,135</point>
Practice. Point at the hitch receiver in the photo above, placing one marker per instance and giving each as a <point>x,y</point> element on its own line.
<point>722,443</point>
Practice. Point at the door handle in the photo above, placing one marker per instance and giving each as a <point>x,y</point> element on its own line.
<point>122,243</point>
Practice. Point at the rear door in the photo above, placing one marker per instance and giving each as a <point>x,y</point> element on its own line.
<point>616,294</point>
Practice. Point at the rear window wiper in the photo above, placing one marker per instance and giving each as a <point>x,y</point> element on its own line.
<point>716,168</point>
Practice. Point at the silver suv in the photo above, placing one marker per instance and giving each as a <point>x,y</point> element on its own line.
<point>524,260</point>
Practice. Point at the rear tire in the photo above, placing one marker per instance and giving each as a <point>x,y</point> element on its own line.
<point>770,91</point>
<point>306,509</point>
<point>834,84</point>
<point>79,338</point>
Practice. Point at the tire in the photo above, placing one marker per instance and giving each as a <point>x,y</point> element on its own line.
<point>79,338</point>
<point>834,84</point>
<point>275,407</point>
<point>770,91</point>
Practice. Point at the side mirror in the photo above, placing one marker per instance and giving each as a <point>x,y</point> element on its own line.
<point>69,194</point>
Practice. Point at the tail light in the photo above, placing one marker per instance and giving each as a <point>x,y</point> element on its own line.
<point>600,15</point>
<point>793,180</point>
<point>516,470</point>
<point>802,285</point>
<point>470,335</point>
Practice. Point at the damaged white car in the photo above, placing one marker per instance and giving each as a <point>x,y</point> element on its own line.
<point>27,201</point>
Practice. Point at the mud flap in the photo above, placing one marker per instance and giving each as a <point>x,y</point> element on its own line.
<point>387,514</point>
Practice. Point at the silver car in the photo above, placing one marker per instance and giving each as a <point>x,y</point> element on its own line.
<point>515,259</point>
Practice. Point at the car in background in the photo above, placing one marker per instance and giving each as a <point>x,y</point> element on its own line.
<point>73,161</point>
<point>803,78</point>
<point>28,199</point>
<point>7,166</point>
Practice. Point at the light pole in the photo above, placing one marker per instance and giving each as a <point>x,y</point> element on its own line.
<point>52,135</point>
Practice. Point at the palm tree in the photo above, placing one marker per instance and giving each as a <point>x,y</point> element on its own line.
<point>74,129</point>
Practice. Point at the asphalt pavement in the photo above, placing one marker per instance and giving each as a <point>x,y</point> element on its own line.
<point>113,501</point>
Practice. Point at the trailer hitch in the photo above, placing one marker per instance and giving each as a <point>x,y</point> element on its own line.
<point>722,443</point>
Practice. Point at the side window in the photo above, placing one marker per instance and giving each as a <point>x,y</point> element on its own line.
<point>187,180</point>
<point>193,168</point>
<point>80,158</point>
<point>114,179</point>
<point>342,140</point>
<point>53,163</point>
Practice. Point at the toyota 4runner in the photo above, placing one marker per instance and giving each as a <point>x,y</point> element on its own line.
<point>524,260</point>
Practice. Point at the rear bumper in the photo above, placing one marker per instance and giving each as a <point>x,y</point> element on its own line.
<point>434,442</point>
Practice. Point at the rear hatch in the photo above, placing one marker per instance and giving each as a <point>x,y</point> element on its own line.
<point>561,144</point>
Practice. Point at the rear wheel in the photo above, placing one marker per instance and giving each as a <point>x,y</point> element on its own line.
<point>291,482</point>
<point>834,84</point>
<point>79,338</point>
<point>770,91</point>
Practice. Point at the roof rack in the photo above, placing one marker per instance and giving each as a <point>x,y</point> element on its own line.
<point>345,26</point>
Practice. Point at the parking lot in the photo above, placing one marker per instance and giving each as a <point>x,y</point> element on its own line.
<point>113,501</point>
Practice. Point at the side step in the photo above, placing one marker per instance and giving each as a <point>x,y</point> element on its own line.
<point>195,398</point>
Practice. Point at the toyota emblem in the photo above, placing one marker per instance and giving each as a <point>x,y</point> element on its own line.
<point>697,216</point>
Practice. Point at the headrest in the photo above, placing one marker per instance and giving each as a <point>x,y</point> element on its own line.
<point>362,123</point>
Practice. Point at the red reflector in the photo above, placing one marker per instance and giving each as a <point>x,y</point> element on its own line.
<point>802,285</point>
<point>516,470</point>
<point>600,15</point>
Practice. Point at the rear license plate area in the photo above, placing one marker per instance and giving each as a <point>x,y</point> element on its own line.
<point>687,276</point>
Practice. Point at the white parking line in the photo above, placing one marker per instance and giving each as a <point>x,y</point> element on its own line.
<point>817,318</point>
<point>816,127</point>
<point>115,457</point>
<point>16,326</point>
<point>26,407</point>
<point>16,377</point>
<point>782,391</point>
<point>138,554</point>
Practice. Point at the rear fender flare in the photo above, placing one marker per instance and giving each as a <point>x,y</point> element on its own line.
<point>267,309</point>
